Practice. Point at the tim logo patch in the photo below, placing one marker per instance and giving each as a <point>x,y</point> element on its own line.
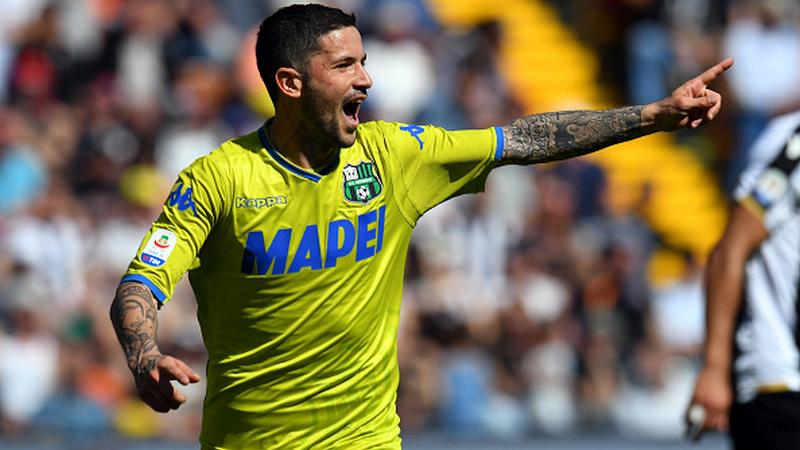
<point>158,249</point>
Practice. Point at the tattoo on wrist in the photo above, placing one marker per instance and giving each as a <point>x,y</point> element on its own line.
<point>134,316</point>
<point>147,364</point>
<point>560,135</point>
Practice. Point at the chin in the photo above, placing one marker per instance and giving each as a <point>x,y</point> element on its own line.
<point>347,142</point>
<point>347,139</point>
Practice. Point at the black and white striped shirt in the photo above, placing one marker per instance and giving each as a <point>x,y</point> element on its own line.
<point>767,340</point>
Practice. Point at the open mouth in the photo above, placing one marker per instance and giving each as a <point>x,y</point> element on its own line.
<point>351,110</point>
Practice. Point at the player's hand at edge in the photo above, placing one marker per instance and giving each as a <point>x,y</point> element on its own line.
<point>153,382</point>
<point>691,105</point>
<point>711,402</point>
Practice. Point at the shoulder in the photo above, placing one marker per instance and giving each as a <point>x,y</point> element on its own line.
<point>778,132</point>
<point>399,135</point>
<point>374,136</point>
<point>772,161</point>
<point>245,146</point>
<point>375,129</point>
<point>784,125</point>
<point>229,154</point>
<point>389,129</point>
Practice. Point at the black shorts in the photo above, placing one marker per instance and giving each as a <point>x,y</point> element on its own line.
<point>768,422</point>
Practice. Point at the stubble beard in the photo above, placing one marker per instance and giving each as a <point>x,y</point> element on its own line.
<point>325,124</point>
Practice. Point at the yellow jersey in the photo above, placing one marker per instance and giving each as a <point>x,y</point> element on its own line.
<point>298,277</point>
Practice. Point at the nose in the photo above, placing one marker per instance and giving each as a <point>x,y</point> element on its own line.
<point>363,79</point>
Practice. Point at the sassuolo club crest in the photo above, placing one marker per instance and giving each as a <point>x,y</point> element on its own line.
<point>360,182</point>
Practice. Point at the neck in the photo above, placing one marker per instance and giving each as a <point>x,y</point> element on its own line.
<point>298,145</point>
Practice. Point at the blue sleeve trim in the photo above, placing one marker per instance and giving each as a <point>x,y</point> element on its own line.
<point>145,281</point>
<point>500,143</point>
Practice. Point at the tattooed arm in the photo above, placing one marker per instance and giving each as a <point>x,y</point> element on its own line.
<point>134,316</point>
<point>560,135</point>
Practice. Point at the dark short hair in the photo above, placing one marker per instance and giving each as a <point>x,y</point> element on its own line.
<point>290,36</point>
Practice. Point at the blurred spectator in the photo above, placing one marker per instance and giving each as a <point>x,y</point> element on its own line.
<point>419,360</point>
<point>399,63</point>
<point>22,173</point>
<point>764,39</point>
<point>201,33</point>
<point>467,379</point>
<point>589,183</point>
<point>667,40</point>
<point>14,16</point>
<point>463,252</point>
<point>479,97</point>
<point>550,370</point>
<point>200,93</point>
<point>677,310</point>
<point>49,241</point>
<point>79,410</point>
<point>80,27</point>
<point>648,403</point>
<point>141,70</point>
<point>28,369</point>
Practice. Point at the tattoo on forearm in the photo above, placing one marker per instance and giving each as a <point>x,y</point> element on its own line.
<point>133,314</point>
<point>560,135</point>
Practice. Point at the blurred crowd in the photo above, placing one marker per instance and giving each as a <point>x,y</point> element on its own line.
<point>528,309</point>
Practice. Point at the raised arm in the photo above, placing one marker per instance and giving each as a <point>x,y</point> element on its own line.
<point>560,135</point>
<point>134,317</point>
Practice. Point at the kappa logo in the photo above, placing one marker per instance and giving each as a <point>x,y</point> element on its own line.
<point>415,131</point>
<point>182,199</point>
<point>361,184</point>
<point>261,202</point>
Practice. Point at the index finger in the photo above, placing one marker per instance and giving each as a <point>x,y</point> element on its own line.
<point>713,72</point>
<point>177,371</point>
<point>183,373</point>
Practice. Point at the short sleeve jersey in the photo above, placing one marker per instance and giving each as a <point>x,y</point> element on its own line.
<point>298,277</point>
<point>767,337</point>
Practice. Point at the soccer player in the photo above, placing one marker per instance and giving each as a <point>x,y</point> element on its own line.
<point>751,375</point>
<point>295,239</point>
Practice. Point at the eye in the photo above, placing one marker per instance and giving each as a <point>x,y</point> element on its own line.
<point>344,63</point>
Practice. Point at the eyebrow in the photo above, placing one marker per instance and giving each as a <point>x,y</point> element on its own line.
<point>348,58</point>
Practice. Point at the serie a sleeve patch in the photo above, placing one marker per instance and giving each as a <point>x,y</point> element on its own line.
<point>160,245</point>
<point>770,187</point>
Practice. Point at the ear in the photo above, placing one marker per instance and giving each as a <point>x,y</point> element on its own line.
<point>290,82</point>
